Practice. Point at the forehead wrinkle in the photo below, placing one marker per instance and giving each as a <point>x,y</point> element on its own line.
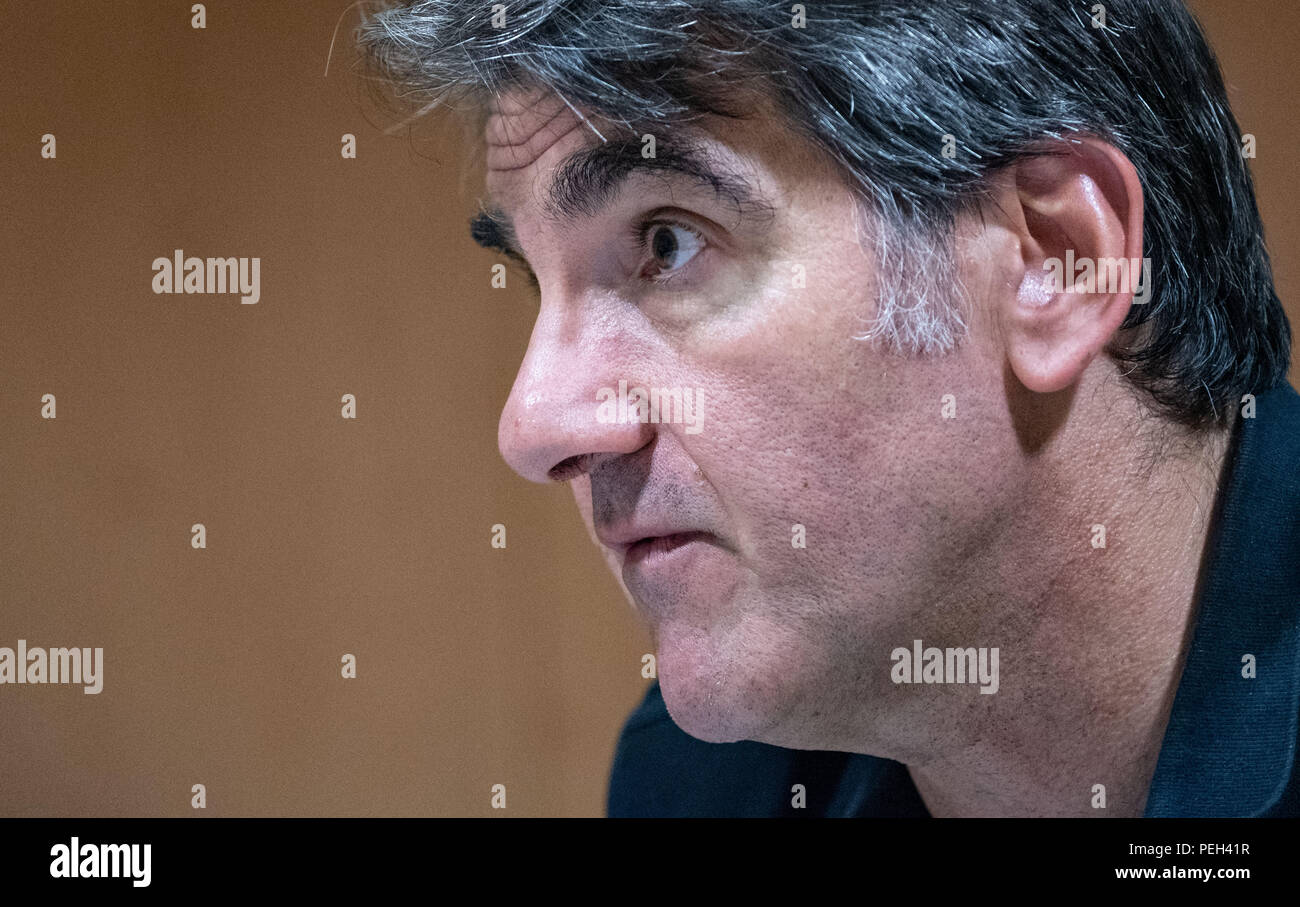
<point>538,110</point>
<point>534,147</point>
<point>499,123</point>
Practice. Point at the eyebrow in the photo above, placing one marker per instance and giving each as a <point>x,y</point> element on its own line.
<point>589,179</point>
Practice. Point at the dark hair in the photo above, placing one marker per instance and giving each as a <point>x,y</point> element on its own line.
<point>877,84</point>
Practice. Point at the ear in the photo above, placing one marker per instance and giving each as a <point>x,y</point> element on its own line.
<point>1076,212</point>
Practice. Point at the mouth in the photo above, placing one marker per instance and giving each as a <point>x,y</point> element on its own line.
<point>657,547</point>
<point>689,572</point>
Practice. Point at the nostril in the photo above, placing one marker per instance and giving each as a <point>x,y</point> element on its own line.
<point>570,468</point>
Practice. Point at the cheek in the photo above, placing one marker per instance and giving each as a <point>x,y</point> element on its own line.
<point>812,428</point>
<point>802,412</point>
<point>839,474</point>
<point>803,439</point>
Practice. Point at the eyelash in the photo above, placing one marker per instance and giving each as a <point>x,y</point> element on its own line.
<point>641,230</point>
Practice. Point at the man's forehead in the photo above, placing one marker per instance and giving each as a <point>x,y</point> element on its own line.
<point>520,129</point>
<point>518,132</point>
<point>521,126</point>
<point>586,159</point>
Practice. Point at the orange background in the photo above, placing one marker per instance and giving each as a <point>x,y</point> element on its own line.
<point>476,666</point>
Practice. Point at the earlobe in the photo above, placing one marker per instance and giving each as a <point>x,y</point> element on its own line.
<point>1076,212</point>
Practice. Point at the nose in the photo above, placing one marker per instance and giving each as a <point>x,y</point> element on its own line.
<point>553,427</point>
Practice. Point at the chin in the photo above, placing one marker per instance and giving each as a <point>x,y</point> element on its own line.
<point>710,721</point>
<point>718,694</point>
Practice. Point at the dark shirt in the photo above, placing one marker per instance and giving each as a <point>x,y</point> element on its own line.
<point>1229,748</point>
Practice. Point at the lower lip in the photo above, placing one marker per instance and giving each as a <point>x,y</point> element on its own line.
<point>688,572</point>
<point>661,547</point>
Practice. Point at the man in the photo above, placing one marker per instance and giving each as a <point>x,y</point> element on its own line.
<point>919,369</point>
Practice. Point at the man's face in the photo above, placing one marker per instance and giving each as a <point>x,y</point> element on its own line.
<point>764,630</point>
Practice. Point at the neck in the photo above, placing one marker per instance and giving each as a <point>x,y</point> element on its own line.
<point>1094,638</point>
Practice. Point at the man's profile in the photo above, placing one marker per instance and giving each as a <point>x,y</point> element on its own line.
<point>919,370</point>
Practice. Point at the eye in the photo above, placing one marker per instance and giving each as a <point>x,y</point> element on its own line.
<point>669,245</point>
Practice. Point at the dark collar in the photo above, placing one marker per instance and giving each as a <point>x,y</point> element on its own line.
<point>1229,748</point>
